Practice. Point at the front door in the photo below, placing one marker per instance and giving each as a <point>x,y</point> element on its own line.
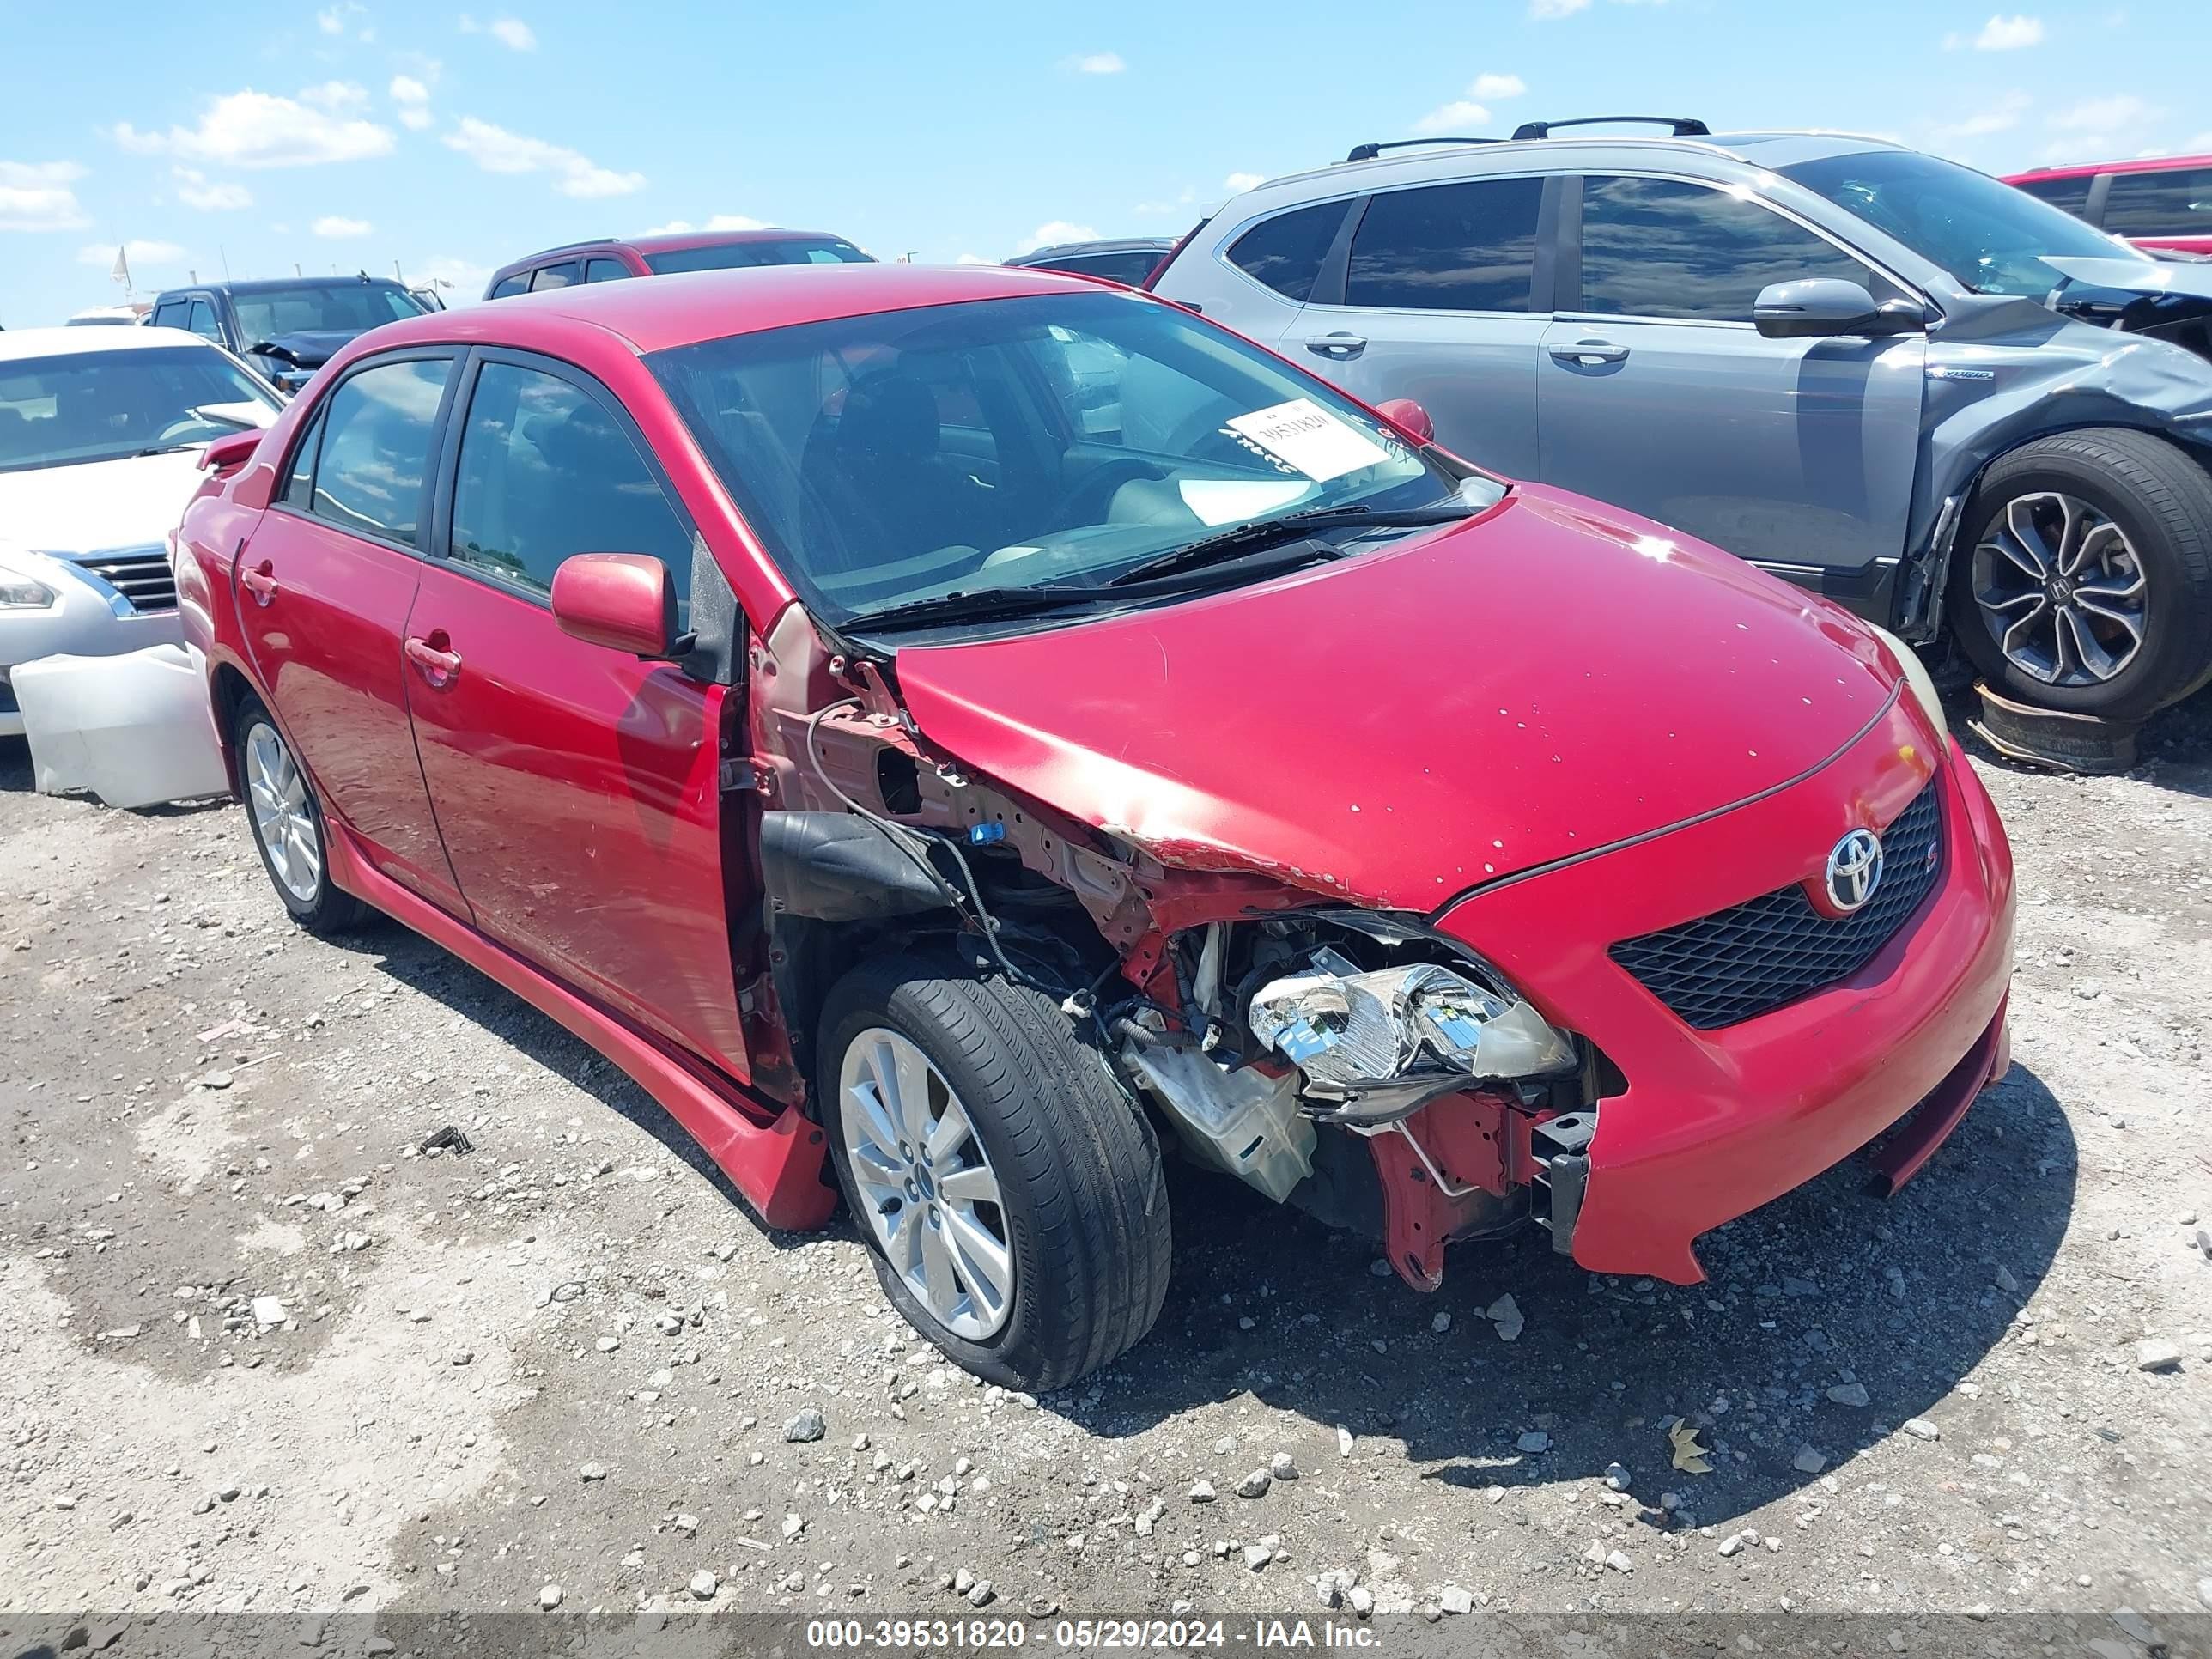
<point>326,581</point>
<point>577,788</point>
<point>1660,396</point>
<point>1439,306</point>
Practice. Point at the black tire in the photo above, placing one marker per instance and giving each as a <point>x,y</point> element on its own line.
<point>2160,498</point>
<point>327,909</point>
<point>1084,1203</point>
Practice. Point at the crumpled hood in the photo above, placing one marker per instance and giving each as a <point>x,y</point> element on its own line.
<point>1399,726</point>
<point>310,348</point>
<point>97,505</point>
<point>2175,278</point>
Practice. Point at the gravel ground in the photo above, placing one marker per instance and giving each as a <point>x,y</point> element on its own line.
<point>257,1353</point>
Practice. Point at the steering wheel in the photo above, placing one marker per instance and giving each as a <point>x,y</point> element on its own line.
<point>1092,495</point>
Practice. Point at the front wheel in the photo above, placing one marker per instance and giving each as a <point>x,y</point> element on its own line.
<point>1009,1192</point>
<point>2083,578</point>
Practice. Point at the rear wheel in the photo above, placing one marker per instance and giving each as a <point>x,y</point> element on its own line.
<point>287,821</point>
<point>2084,575</point>
<point>1009,1190</point>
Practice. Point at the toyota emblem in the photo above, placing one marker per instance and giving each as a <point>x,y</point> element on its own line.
<point>1854,870</point>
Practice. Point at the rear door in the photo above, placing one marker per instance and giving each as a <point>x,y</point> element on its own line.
<point>1660,396</point>
<point>577,788</point>
<point>1440,302</point>
<point>326,581</point>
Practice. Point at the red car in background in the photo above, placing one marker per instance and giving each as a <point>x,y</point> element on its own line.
<point>2159,202</point>
<point>965,728</point>
<point>669,253</point>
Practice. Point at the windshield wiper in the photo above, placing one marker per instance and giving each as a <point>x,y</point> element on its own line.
<point>980,605</point>
<point>1254,533</point>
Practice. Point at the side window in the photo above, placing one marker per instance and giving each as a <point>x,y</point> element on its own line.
<point>2176,203</point>
<point>553,276</point>
<point>170,314</point>
<point>300,483</point>
<point>1286,252</point>
<point>2071,195</point>
<point>376,448</point>
<point>201,321</point>
<point>1659,247</point>
<point>605,271</point>
<point>510,286</point>
<point>1448,247</point>
<point>545,473</point>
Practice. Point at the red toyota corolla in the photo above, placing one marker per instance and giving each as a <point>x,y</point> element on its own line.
<point>975,727</point>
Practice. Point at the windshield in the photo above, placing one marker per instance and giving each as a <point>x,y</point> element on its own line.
<point>324,308</point>
<point>103,405</point>
<point>1037,442</point>
<point>1991,238</point>
<point>734,255</point>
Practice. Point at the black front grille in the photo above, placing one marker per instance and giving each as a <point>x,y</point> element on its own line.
<point>144,579</point>
<point>1738,963</point>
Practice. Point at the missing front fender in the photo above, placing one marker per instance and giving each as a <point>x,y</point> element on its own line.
<point>837,867</point>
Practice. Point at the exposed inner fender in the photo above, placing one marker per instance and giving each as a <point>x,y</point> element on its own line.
<point>837,867</point>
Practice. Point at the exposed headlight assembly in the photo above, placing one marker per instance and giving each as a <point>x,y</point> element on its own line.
<point>1917,680</point>
<point>1375,1047</point>
<point>21,593</point>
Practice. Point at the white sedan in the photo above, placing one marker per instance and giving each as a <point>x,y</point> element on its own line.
<point>100,435</point>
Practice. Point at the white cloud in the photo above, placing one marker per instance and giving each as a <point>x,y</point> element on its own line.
<point>495,150</point>
<point>334,20</point>
<point>1543,11</point>
<point>195,189</point>
<point>974,259</point>
<point>1238,182</point>
<point>718,222</point>
<point>1497,86</point>
<point>510,31</point>
<point>2000,116</point>
<point>338,97</point>
<point>36,195</point>
<point>138,253</point>
<point>2103,114</point>
<point>1097,62</point>
<point>1054,232</point>
<point>336,224</point>
<point>253,129</point>
<point>413,99</point>
<point>1453,117</point>
<point>2003,34</point>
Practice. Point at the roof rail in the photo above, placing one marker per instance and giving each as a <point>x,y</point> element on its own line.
<point>569,247</point>
<point>1368,152</point>
<point>1684,126</point>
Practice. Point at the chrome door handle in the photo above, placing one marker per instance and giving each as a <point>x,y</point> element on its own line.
<point>1340,346</point>
<point>1589,353</point>
<point>260,582</point>
<point>438,666</point>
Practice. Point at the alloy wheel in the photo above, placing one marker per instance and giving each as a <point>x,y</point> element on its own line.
<point>277,794</point>
<point>925,1183</point>
<point>2061,590</point>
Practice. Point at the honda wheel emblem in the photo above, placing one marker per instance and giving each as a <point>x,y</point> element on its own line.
<point>1854,870</point>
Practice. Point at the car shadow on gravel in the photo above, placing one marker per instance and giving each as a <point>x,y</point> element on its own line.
<point>407,957</point>
<point>1825,1289</point>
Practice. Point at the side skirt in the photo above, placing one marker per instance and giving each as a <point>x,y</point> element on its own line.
<point>774,1157</point>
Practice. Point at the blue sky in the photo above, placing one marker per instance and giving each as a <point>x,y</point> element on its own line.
<point>357,133</point>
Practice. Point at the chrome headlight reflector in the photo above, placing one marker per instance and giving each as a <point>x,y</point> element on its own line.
<point>1377,1046</point>
<point>21,593</point>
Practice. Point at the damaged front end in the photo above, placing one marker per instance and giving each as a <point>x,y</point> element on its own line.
<point>1361,1068</point>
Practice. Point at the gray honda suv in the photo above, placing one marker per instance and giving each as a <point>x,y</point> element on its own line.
<point>1884,376</point>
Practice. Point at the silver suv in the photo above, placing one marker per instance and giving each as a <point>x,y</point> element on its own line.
<point>1880,375</point>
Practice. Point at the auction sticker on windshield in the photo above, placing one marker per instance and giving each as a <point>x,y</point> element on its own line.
<point>1304,436</point>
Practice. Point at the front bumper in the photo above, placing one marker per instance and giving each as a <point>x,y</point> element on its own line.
<point>82,623</point>
<point>1715,1123</point>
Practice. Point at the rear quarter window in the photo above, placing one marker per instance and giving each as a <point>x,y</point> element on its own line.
<point>2176,203</point>
<point>1286,252</point>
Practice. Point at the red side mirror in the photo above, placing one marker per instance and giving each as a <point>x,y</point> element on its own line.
<point>227,454</point>
<point>1410,418</point>
<point>624,601</point>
